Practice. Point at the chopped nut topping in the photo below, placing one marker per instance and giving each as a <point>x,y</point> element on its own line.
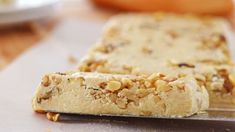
<point>57,80</point>
<point>103,85</point>
<point>81,80</point>
<point>46,81</point>
<point>40,111</point>
<point>200,77</point>
<point>222,38</point>
<point>181,75</point>
<point>128,94</point>
<point>155,76</point>
<point>126,82</point>
<point>47,94</point>
<point>53,116</point>
<point>105,48</point>
<point>91,65</point>
<point>147,84</point>
<point>181,86</point>
<point>162,86</point>
<point>213,41</point>
<point>142,92</point>
<point>97,94</point>
<point>113,85</point>
<point>169,79</point>
<point>112,31</point>
<point>227,82</point>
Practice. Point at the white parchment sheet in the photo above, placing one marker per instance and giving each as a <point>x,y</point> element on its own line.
<point>19,80</point>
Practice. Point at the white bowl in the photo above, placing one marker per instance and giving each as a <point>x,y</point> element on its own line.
<point>26,10</point>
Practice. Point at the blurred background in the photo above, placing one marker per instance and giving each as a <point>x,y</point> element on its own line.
<point>24,23</point>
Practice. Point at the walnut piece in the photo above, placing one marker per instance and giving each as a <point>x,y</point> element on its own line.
<point>162,86</point>
<point>126,82</point>
<point>155,76</point>
<point>130,95</point>
<point>200,77</point>
<point>53,116</point>
<point>113,85</point>
<point>46,81</point>
<point>56,80</point>
<point>142,92</point>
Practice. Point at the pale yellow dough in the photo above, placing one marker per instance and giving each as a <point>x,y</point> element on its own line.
<point>77,93</point>
<point>183,50</point>
<point>176,45</point>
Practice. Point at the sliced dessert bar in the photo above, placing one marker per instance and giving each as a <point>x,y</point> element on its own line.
<point>176,45</point>
<point>96,93</point>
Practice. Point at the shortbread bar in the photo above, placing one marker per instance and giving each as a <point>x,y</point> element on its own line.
<point>158,64</point>
<point>96,93</point>
<point>175,45</point>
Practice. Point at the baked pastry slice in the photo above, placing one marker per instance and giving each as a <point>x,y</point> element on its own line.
<point>118,75</point>
<point>96,93</point>
<point>175,45</point>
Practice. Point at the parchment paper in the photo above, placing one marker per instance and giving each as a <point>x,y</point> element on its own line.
<point>72,37</point>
